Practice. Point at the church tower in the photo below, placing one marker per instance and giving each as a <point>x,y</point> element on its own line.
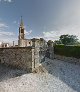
<point>21,30</point>
<point>22,42</point>
<point>21,38</point>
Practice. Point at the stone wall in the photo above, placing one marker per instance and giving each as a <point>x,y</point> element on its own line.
<point>67,59</point>
<point>27,58</point>
<point>39,51</point>
<point>20,57</point>
<point>50,50</point>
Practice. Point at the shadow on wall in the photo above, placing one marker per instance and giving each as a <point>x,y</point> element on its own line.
<point>66,72</point>
<point>9,72</point>
<point>47,53</point>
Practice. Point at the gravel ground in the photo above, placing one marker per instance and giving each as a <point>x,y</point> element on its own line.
<point>60,77</point>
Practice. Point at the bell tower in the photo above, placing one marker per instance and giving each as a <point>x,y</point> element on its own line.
<point>21,30</point>
<point>21,38</point>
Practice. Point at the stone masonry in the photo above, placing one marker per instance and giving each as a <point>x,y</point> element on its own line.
<point>20,57</point>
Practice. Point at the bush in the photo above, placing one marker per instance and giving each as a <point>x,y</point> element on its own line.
<point>69,51</point>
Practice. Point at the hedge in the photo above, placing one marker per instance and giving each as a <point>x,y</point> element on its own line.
<point>69,51</point>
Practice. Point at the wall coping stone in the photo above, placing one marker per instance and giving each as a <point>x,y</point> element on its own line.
<point>29,47</point>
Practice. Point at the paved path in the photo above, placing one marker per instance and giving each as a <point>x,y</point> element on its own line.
<point>60,77</point>
<point>66,72</point>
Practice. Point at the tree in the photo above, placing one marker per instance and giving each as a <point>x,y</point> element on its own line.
<point>57,42</point>
<point>68,39</point>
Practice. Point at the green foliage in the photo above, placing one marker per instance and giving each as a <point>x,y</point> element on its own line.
<point>69,51</point>
<point>57,42</point>
<point>68,39</point>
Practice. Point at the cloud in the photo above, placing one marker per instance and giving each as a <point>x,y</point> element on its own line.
<point>38,37</point>
<point>3,25</point>
<point>50,35</point>
<point>8,40</point>
<point>8,37</point>
<point>67,21</point>
<point>55,34</point>
<point>7,1</point>
<point>27,32</point>
<point>14,22</point>
<point>4,33</point>
<point>5,36</point>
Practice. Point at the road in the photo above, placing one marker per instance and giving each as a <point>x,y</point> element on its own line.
<point>60,77</point>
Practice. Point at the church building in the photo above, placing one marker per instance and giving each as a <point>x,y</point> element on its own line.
<point>22,42</point>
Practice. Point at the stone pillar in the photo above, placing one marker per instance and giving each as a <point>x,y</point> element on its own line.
<point>51,49</point>
<point>35,44</point>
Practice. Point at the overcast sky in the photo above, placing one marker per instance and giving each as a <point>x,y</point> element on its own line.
<point>42,18</point>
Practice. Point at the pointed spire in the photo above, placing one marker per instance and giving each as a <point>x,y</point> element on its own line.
<point>21,24</point>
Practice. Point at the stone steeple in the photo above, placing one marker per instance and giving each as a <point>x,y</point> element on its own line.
<point>22,24</point>
<point>21,30</point>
